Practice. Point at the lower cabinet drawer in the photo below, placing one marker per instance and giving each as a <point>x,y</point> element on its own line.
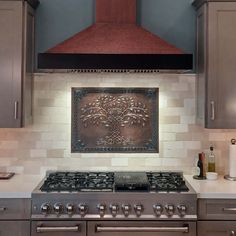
<point>15,228</point>
<point>217,209</point>
<point>219,228</point>
<point>58,228</point>
<point>15,209</point>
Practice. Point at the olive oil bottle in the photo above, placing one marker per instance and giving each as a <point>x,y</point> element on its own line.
<point>211,160</point>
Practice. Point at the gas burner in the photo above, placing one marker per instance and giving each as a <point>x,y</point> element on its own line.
<point>167,182</point>
<point>78,181</point>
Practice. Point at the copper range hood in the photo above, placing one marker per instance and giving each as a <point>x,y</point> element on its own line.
<point>115,43</point>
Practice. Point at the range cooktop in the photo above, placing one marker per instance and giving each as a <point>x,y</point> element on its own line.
<point>114,182</point>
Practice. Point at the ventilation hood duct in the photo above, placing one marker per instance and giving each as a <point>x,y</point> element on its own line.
<point>115,43</point>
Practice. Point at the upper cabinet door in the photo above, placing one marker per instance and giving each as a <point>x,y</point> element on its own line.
<point>222,65</point>
<point>10,63</point>
<point>216,67</point>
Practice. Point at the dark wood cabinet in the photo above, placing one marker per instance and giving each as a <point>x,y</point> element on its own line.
<point>15,217</point>
<point>216,70</point>
<point>16,63</point>
<point>219,228</point>
<point>216,217</point>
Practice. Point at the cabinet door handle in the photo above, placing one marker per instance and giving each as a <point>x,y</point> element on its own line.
<point>212,110</point>
<point>2,208</point>
<point>44,229</point>
<point>232,233</point>
<point>16,110</point>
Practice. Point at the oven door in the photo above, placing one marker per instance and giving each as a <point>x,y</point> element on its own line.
<point>58,228</point>
<point>141,228</point>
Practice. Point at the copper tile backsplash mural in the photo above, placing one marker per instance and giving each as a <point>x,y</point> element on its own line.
<point>114,120</point>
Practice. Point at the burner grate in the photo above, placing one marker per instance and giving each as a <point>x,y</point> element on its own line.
<point>167,182</point>
<point>78,181</point>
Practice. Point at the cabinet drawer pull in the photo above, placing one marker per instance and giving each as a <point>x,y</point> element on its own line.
<point>16,110</point>
<point>3,209</point>
<point>233,209</point>
<point>44,229</point>
<point>212,110</point>
<point>232,233</point>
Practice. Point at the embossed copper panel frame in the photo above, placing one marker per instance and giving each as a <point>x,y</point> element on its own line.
<point>114,120</point>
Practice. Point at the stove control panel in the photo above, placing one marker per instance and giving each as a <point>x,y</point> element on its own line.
<point>114,210</point>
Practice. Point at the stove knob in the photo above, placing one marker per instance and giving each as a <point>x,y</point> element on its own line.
<point>101,209</point>
<point>182,210</point>
<point>83,209</point>
<point>114,208</point>
<point>58,208</point>
<point>45,208</point>
<point>158,209</point>
<point>70,208</point>
<point>126,208</point>
<point>170,209</point>
<point>138,208</point>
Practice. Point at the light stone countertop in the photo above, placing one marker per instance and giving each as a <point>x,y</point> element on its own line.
<point>217,189</point>
<point>19,186</point>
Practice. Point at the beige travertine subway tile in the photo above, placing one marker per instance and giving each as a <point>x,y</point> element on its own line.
<point>3,168</point>
<point>55,153</point>
<point>119,161</point>
<point>183,136</point>
<point>175,103</point>
<point>175,153</point>
<point>38,153</point>
<point>203,136</point>
<point>16,169</point>
<point>169,119</point>
<point>61,136</point>
<point>187,119</point>
<point>9,144</point>
<point>217,136</point>
<point>176,128</point>
<point>168,136</point>
<point>8,153</point>
<point>173,145</point>
<point>58,85</point>
<point>179,87</point>
<point>42,119</point>
<point>171,111</point>
<point>27,144</point>
<point>188,145</point>
<point>153,161</point>
<point>50,102</point>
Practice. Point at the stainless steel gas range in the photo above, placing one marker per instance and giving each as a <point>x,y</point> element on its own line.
<point>114,203</point>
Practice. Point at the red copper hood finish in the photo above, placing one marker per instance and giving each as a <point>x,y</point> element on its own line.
<point>115,43</point>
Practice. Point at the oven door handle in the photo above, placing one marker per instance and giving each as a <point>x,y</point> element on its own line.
<point>44,229</point>
<point>184,229</point>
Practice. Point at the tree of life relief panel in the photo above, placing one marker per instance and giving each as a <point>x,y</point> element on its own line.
<point>114,120</point>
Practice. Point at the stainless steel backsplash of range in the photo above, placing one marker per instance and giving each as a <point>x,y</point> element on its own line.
<point>105,203</point>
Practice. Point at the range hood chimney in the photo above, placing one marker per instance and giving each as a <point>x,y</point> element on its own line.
<point>115,43</point>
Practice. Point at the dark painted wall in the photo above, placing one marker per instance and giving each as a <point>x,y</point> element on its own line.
<point>173,20</point>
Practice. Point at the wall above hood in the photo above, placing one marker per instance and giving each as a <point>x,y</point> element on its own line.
<point>115,43</point>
